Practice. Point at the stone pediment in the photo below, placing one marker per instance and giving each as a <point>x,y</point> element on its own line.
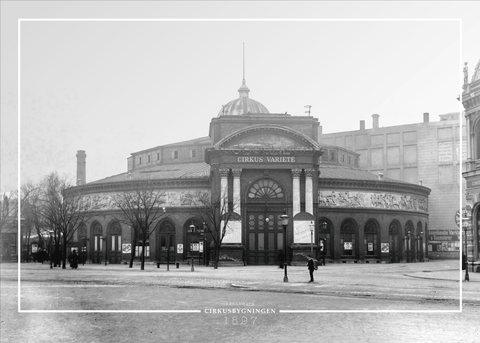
<point>267,137</point>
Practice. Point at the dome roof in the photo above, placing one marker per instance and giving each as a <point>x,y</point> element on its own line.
<point>242,105</point>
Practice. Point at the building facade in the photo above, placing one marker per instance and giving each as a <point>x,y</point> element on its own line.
<point>471,173</point>
<point>427,153</point>
<point>262,166</point>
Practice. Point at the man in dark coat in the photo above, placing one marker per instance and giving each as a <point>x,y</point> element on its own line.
<point>311,268</point>
<point>74,260</point>
<point>281,258</point>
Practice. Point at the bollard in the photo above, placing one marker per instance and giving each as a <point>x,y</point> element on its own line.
<point>177,264</point>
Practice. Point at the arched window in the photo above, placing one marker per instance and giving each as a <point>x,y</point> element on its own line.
<point>265,189</point>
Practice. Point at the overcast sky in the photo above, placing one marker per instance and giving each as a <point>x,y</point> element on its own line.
<point>116,87</point>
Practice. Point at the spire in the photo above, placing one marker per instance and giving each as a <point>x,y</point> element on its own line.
<point>243,90</point>
<point>243,62</point>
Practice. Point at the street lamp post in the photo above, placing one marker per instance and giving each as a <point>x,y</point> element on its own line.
<point>50,248</point>
<point>285,223</point>
<point>467,277</point>
<point>420,246</point>
<point>204,244</point>
<point>407,241</point>
<point>192,230</point>
<point>312,228</point>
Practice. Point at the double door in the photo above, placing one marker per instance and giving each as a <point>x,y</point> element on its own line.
<point>264,236</point>
<point>167,247</point>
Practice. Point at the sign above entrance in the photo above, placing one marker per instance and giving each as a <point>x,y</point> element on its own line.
<point>266,159</point>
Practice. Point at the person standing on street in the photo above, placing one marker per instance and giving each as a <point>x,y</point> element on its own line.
<point>74,260</point>
<point>281,259</point>
<point>311,267</point>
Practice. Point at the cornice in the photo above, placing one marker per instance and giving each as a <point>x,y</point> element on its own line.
<point>132,184</point>
<point>373,185</point>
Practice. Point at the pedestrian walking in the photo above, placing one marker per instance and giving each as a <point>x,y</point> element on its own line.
<point>73,260</point>
<point>311,267</point>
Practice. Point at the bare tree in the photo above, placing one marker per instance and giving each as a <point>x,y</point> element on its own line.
<point>8,211</point>
<point>63,213</point>
<point>216,216</point>
<point>140,206</point>
<point>29,210</point>
<point>8,216</point>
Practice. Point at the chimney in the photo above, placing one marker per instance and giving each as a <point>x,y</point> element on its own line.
<point>362,125</point>
<point>380,176</point>
<point>375,120</point>
<point>81,168</point>
<point>425,117</point>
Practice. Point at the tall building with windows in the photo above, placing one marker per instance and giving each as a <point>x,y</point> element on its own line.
<point>426,153</point>
<point>471,173</point>
<point>264,166</point>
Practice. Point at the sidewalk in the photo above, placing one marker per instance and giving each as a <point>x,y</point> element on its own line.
<point>433,279</point>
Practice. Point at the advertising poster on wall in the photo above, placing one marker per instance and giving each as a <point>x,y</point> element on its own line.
<point>301,231</point>
<point>126,248</point>
<point>385,248</point>
<point>233,233</point>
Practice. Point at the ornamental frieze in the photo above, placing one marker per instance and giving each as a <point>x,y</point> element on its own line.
<point>353,199</point>
<point>180,198</point>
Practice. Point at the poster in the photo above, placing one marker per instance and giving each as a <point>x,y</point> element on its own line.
<point>385,248</point>
<point>126,248</point>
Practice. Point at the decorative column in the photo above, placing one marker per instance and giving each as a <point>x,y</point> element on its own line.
<point>296,190</point>
<point>309,190</point>
<point>236,191</point>
<point>223,189</point>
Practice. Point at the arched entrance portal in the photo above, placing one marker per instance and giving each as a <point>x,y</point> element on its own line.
<point>265,204</point>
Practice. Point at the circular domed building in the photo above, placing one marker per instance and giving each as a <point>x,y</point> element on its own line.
<point>285,191</point>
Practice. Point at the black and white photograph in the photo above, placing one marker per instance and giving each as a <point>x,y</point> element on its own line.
<point>271,171</point>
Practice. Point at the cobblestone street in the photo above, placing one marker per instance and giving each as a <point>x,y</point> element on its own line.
<point>402,301</point>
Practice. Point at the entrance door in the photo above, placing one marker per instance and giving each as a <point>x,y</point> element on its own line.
<point>167,247</point>
<point>394,248</point>
<point>265,237</point>
<point>166,238</point>
<point>97,249</point>
<point>114,246</point>
<point>115,251</point>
